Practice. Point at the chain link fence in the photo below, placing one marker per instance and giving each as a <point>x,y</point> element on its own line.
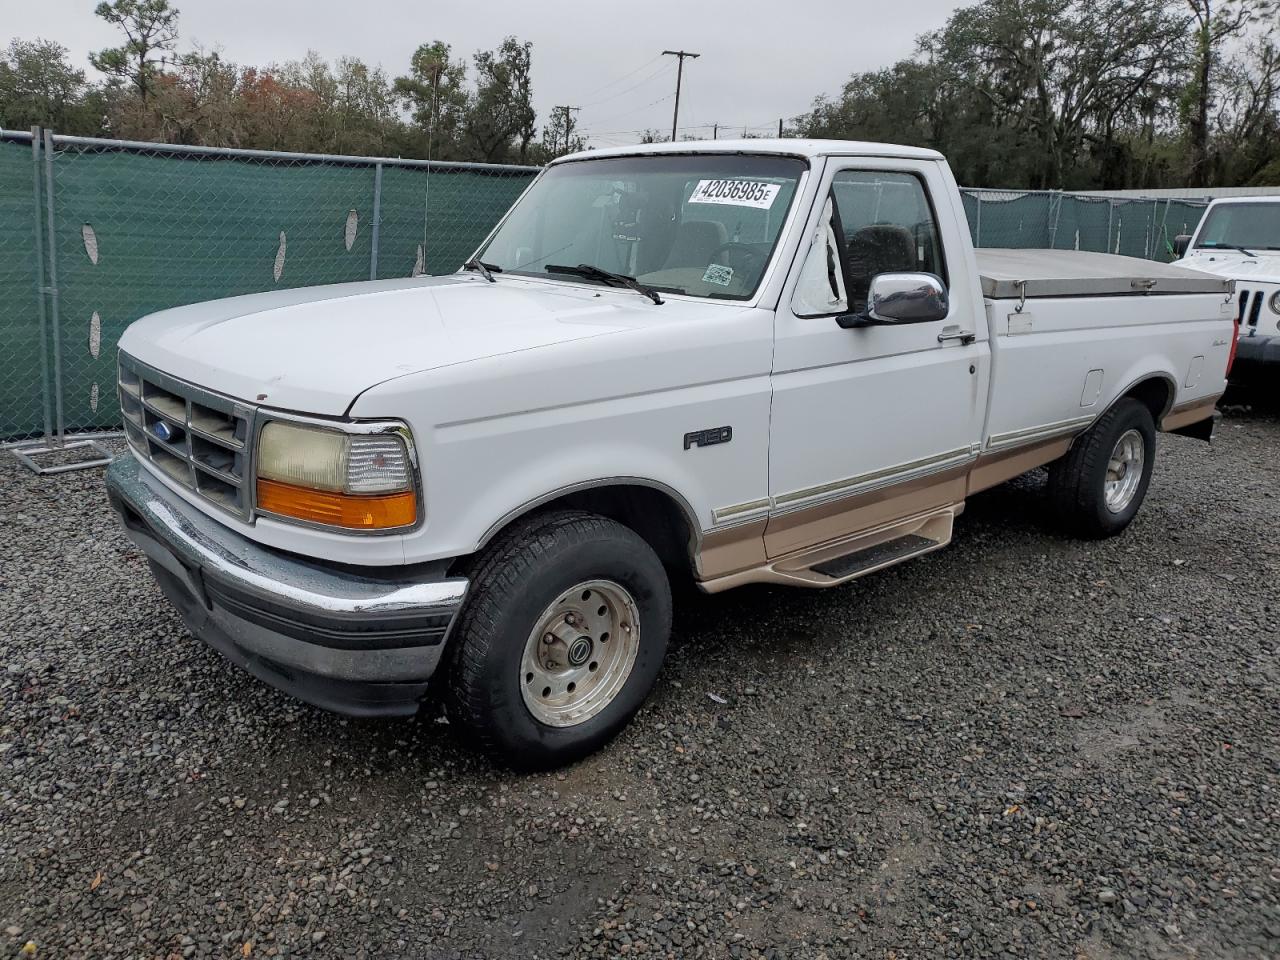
<point>96,233</point>
<point>1132,227</point>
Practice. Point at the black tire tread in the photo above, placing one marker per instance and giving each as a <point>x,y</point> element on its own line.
<point>1071,496</point>
<point>495,577</point>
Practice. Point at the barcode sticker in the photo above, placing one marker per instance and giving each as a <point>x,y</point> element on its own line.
<point>738,193</point>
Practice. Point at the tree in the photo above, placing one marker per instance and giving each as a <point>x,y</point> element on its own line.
<point>1057,72</point>
<point>150,27</point>
<point>195,103</point>
<point>434,92</point>
<point>1216,23</point>
<point>363,107</point>
<point>500,112</point>
<point>1246,135</point>
<point>38,85</point>
<point>1031,93</point>
<point>278,114</point>
<point>560,135</point>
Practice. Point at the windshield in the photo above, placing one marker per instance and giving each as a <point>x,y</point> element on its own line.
<point>1254,226</point>
<point>703,225</point>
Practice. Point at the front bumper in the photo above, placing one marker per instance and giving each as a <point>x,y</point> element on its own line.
<point>358,641</point>
<point>1256,356</point>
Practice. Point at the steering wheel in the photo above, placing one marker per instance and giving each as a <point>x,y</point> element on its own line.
<point>736,252</point>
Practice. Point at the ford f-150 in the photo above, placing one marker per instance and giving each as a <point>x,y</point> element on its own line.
<point>726,363</point>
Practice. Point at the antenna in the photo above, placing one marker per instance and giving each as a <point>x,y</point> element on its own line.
<point>431,138</point>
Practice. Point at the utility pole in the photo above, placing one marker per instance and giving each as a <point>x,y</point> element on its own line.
<point>681,54</point>
<point>715,131</point>
<point>568,126</point>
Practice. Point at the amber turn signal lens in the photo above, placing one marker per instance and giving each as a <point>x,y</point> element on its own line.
<point>338,509</point>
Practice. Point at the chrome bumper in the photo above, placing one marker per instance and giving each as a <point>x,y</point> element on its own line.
<point>358,641</point>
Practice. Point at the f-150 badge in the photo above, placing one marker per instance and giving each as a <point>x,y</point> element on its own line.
<point>707,438</point>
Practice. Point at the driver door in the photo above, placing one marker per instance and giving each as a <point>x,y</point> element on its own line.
<point>877,423</point>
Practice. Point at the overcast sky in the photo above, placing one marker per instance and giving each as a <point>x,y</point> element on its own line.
<point>761,59</point>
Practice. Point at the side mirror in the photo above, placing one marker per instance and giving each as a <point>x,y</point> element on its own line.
<point>901,298</point>
<point>1180,244</point>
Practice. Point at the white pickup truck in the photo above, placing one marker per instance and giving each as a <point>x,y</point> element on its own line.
<point>726,363</point>
<point>1239,238</point>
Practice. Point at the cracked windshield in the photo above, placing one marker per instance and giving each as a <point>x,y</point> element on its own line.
<point>702,225</point>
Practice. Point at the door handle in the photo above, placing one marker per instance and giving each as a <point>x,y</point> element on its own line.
<point>955,333</point>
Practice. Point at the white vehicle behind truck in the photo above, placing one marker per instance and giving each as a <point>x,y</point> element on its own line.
<point>1239,238</point>
<point>726,363</point>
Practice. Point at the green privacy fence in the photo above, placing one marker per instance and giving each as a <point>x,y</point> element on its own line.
<point>96,233</point>
<point>1132,227</point>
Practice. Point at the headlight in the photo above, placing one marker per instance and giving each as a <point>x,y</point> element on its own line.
<point>359,481</point>
<point>1274,302</point>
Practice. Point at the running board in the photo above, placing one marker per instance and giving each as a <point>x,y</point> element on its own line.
<point>849,557</point>
<point>891,551</point>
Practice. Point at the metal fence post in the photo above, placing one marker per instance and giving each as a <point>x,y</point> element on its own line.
<point>40,285</point>
<point>1111,216</point>
<point>54,316</point>
<point>977,232</point>
<point>50,326</point>
<point>377,220</point>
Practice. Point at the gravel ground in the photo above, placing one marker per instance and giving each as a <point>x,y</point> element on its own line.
<point>1021,746</point>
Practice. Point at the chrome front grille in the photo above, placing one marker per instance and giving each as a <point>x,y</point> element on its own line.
<point>200,439</point>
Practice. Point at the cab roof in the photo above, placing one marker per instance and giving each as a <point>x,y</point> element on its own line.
<point>779,147</point>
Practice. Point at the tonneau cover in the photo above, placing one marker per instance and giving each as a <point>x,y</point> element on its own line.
<point>1013,274</point>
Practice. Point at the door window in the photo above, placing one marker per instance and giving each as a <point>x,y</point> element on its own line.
<point>880,222</point>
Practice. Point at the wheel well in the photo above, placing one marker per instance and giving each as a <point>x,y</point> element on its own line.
<point>653,514</point>
<point>1155,393</point>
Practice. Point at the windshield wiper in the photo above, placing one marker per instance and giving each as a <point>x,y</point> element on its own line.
<point>1231,246</point>
<point>608,276</point>
<point>487,270</point>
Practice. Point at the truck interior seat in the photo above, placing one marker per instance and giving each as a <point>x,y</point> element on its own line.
<point>875,249</point>
<point>695,242</point>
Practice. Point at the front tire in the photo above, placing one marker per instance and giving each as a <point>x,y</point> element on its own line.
<point>1098,486</point>
<point>560,641</point>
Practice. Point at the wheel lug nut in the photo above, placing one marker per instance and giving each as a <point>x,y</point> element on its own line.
<point>549,638</point>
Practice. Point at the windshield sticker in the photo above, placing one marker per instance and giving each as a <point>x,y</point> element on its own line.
<point>738,193</point>
<point>718,274</point>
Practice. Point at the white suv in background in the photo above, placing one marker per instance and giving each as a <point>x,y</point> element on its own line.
<point>1240,238</point>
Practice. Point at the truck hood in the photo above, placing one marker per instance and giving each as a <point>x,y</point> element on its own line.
<point>314,349</point>
<point>1264,268</point>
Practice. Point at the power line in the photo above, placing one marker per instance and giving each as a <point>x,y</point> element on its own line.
<point>665,68</point>
<point>619,116</point>
<point>626,76</point>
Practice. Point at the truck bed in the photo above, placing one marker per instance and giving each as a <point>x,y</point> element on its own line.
<point>1091,325</point>
<point>1033,274</point>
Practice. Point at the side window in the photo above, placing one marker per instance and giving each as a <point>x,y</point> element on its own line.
<point>888,227</point>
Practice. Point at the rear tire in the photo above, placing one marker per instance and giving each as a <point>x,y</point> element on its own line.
<point>1098,486</point>
<point>560,641</point>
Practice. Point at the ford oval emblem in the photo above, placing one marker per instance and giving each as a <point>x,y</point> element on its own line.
<point>162,430</point>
